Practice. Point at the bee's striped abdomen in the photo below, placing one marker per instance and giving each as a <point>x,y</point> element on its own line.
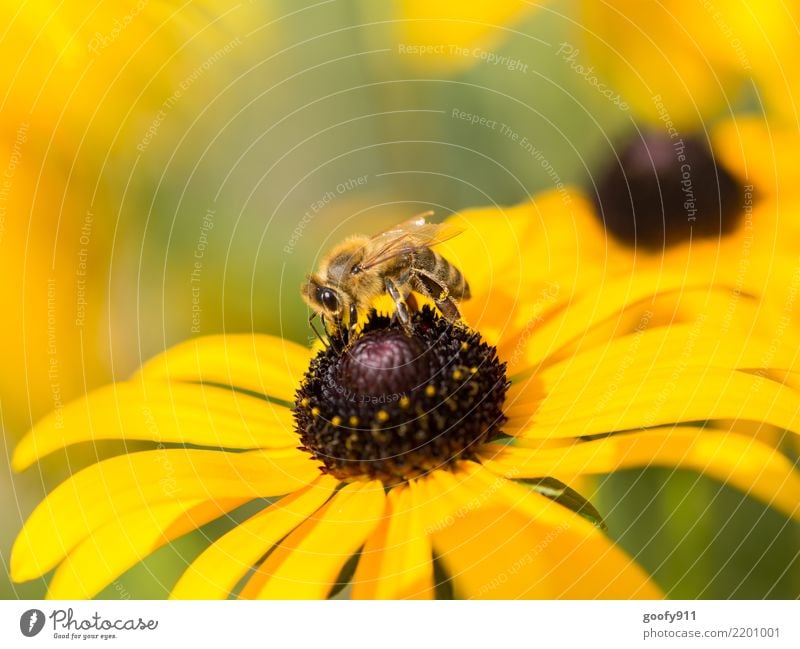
<point>453,278</point>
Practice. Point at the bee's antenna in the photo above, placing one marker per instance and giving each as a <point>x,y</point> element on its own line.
<point>313,326</point>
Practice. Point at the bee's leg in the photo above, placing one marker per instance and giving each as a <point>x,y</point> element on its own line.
<point>439,293</point>
<point>411,301</point>
<point>401,308</point>
<point>353,321</point>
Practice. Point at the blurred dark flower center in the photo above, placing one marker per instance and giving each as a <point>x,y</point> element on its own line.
<point>392,406</point>
<point>663,191</point>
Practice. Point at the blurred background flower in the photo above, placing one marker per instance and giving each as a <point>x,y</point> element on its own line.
<point>171,170</point>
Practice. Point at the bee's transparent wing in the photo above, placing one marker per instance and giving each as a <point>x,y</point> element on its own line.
<point>406,237</point>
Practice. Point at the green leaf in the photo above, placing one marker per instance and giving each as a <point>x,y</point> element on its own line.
<point>567,497</point>
<point>346,575</point>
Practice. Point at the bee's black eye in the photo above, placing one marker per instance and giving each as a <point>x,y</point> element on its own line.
<point>328,299</point>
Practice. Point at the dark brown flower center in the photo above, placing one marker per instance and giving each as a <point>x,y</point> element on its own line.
<point>392,406</point>
<point>663,191</point>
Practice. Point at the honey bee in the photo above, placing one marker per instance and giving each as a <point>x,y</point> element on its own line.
<point>396,261</point>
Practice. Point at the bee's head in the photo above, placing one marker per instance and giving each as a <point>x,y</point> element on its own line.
<point>326,300</point>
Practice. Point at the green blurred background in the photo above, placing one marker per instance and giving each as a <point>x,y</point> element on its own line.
<point>249,138</point>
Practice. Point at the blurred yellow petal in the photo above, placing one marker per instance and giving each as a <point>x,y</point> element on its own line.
<point>125,541</point>
<point>306,564</point>
<point>759,153</point>
<point>263,364</point>
<point>396,561</point>
<point>741,461</point>
<point>177,413</point>
<point>108,489</point>
<point>215,573</point>
<point>498,540</point>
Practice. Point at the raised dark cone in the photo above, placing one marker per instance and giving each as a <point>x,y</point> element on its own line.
<point>392,406</point>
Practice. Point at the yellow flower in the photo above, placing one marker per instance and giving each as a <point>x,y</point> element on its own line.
<point>692,60</point>
<point>73,71</point>
<point>685,211</point>
<point>685,61</point>
<point>445,464</point>
<point>85,89</point>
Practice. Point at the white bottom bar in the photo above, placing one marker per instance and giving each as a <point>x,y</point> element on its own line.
<point>406,625</point>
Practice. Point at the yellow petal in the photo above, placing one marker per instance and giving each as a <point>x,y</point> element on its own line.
<point>396,561</point>
<point>741,461</point>
<point>758,152</point>
<point>108,489</point>
<point>306,564</point>
<point>125,541</point>
<point>610,298</point>
<point>645,399</point>
<point>504,541</point>
<point>175,412</point>
<point>264,364</point>
<point>699,344</point>
<point>215,573</point>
